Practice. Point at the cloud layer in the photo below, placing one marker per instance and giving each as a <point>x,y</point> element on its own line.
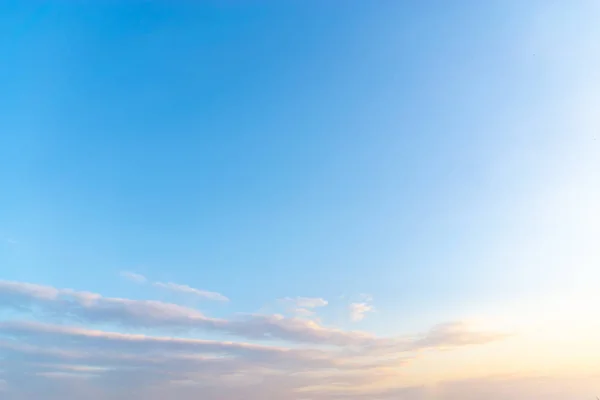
<point>68,304</point>
<point>73,347</point>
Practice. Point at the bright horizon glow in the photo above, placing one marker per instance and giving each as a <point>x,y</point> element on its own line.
<point>367,200</point>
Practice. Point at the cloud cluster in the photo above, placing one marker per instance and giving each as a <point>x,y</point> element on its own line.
<point>94,308</point>
<point>66,350</point>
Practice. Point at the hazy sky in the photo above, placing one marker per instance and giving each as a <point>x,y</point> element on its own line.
<point>299,200</point>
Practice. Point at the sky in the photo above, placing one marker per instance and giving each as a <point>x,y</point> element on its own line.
<point>299,200</point>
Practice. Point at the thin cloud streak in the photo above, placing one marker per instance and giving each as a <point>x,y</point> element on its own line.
<point>185,289</point>
<point>133,277</point>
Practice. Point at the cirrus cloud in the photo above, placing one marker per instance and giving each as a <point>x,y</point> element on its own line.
<point>133,277</point>
<point>185,289</point>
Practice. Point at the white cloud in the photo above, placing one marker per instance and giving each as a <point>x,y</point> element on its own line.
<point>93,307</point>
<point>358,311</point>
<point>133,277</point>
<point>303,312</point>
<point>190,290</point>
<point>454,334</point>
<point>65,335</point>
<point>23,290</point>
<point>302,306</point>
<point>65,304</point>
<point>140,361</point>
<point>306,302</point>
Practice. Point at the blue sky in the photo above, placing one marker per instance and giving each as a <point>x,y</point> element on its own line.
<point>425,162</point>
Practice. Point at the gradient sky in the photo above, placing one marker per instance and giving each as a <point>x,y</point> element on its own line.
<point>299,199</point>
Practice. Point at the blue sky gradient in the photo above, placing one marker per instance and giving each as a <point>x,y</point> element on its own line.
<point>441,157</point>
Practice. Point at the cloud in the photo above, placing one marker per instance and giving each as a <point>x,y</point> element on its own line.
<point>65,375</point>
<point>190,290</point>
<point>296,330</point>
<point>191,383</point>
<point>25,291</point>
<point>507,387</point>
<point>303,312</point>
<point>174,287</point>
<point>60,337</point>
<point>442,336</point>
<point>156,367</point>
<point>56,351</point>
<point>91,307</point>
<point>134,362</point>
<point>68,304</point>
<point>306,302</point>
<point>61,360</point>
<point>454,334</point>
<point>96,308</point>
<point>302,306</point>
<point>133,277</point>
<point>358,311</point>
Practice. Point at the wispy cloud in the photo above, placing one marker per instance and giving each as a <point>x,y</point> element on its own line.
<point>147,313</point>
<point>307,302</point>
<point>133,277</point>
<point>185,289</point>
<point>174,287</point>
<point>83,337</point>
<point>302,306</point>
<point>65,375</point>
<point>95,308</point>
